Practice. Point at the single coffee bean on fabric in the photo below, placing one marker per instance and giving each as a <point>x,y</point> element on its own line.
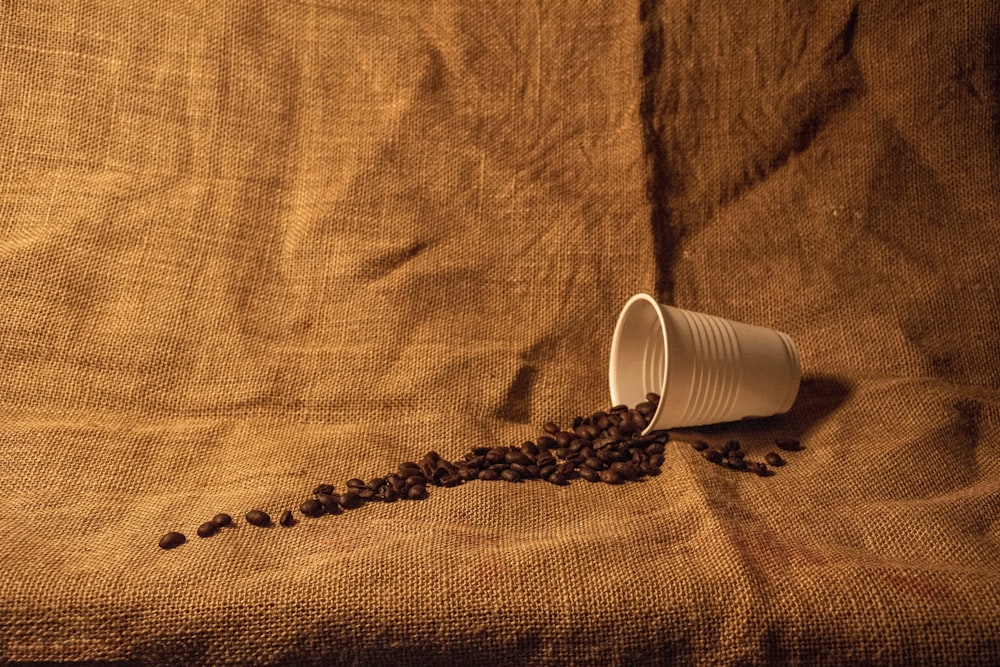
<point>222,520</point>
<point>286,519</point>
<point>509,475</point>
<point>311,507</point>
<point>774,459</point>
<point>731,446</point>
<point>324,488</point>
<point>376,483</point>
<point>258,518</point>
<point>699,445</point>
<point>489,475</point>
<point>589,474</point>
<point>788,444</point>
<point>366,494</point>
<point>556,478</point>
<point>171,540</point>
<point>656,460</point>
<point>550,427</point>
<point>355,483</point>
<point>417,492</point>
<point>610,477</point>
<point>208,529</point>
<point>350,500</point>
<point>329,502</point>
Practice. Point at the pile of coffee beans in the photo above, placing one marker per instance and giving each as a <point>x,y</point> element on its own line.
<point>731,456</point>
<point>605,447</point>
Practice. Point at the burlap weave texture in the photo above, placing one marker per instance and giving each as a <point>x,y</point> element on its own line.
<point>251,247</point>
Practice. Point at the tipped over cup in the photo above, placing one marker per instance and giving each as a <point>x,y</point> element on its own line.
<point>705,369</point>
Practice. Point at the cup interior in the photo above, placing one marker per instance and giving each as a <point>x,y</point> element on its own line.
<point>638,352</point>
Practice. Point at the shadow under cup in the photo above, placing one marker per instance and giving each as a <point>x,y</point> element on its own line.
<point>705,369</point>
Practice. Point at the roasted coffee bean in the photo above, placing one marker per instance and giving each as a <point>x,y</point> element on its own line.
<point>477,462</point>
<point>171,540</point>
<point>566,467</point>
<point>258,518</point>
<point>562,452</point>
<point>589,474</point>
<point>417,492</point>
<point>450,480</point>
<point>714,455</point>
<point>618,408</point>
<point>625,470</point>
<point>550,427</point>
<point>731,446</point>
<point>521,470</point>
<point>413,480</point>
<point>467,473</point>
<point>408,468</point>
<point>563,438</point>
<point>386,494</point>
<point>516,456</point>
<point>376,483</point>
<point>312,507</point>
<point>324,488</point>
<point>207,529</point>
<point>480,451</point>
<point>577,444</point>
<point>529,448</point>
<point>576,458</point>
<point>610,477</point>
<point>545,459</point>
<point>774,459</point>
<point>496,455</point>
<point>355,483</point>
<point>647,468</point>
<point>699,445</point>
<point>509,475</point>
<point>222,520</point>
<point>534,470</point>
<point>653,397</point>
<point>286,519</point>
<point>737,463</point>
<point>432,457</point>
<point>656,460</point>
<point>546,442</point>
<point>328,501</point>
<point>788,444</point>
<point>646,408</point>
<point>350,500</point>
<point>545,471</point>
<point>594,463</point>
<point>556,478</point>
<point>757,468</point>
<point>488,475</point>
<point>735,454</point>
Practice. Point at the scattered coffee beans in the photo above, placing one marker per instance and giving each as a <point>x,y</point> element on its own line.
<point>604,447</point>
<point>208,529</point>
<point>171,540</point>
<point>258,518</point>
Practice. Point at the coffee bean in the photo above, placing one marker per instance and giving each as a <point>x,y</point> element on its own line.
<point>757,468</point>
<point>171,540</point>
<point>566,467</point>
<point>258,518</point>
<point>450,480</point>
<point>556,478</point>
<point>376,483</point>
<point>547,470</point>
<point>589,474</point>
<point>521,470</point>
<point>323,488</point>
<point>647,468</point>
<point>408,468</point>
<point>594,463</point>
<point>610,477</point>
<point>530,448</point>
<point>328,502</point>
<point>467,473</point>
<point>788,444</point>
<point>417,492</point>
<point>366,494</point>
<point>550,427</point>
<point>731,446</point>
<point>713,455</point>
<point>534,471</point>
<point>774,459</point>
<point>387,495</point>
<point>619,408</point>
<point>656,460</point>
<point>515,456</point>
<point>653,397</point>
<point>509,475</point>
<point>311,507</point>
<point>546,442</point>
<point>286,519</point>
<point>699,445</point>
<point>735,454</point>
<point>737,463</point>
<point>488,475</point>
<point>207,529</point>
<point>222,520</point>
<point>563,438</point>
<point>480,451</point>
<point>496,455</point>
<point>350,500</point>
<point>355,483</point>
<point>413,480</point>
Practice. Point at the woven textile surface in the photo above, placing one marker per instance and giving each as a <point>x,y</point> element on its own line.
<point>246,248</point>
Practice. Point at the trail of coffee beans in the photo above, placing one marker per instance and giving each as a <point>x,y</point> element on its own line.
<point>606,447</point>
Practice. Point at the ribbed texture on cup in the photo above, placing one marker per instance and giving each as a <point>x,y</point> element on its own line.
<point>716,372</point>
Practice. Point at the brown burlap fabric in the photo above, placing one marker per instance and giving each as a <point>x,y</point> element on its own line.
<point>250,247</point>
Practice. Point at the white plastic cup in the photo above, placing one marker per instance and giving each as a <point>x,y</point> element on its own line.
<point>706,369</point>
